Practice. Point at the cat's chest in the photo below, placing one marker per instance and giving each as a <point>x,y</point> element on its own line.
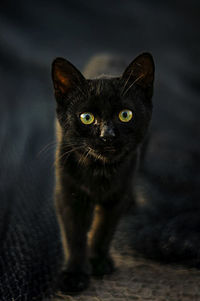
<point>102,184</point>
<point>99,182</point>
<point>101,188</point>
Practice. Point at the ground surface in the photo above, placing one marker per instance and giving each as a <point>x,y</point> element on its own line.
<point>139,279</point>
<point>142,280</point>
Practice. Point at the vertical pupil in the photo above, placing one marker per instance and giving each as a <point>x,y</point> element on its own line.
<point>87,117</point>
<point>125,114</point>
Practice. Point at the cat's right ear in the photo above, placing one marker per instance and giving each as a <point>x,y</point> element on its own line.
<point>140,73</point>
<point>65,78</point>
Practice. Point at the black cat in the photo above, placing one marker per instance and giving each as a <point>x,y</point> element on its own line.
<point>101,126</point>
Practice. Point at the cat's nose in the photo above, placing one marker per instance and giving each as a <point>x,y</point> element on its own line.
<point>107,133</point>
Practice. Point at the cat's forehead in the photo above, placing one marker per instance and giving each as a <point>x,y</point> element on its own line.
<point>104,96</point>
<point>108,87</point>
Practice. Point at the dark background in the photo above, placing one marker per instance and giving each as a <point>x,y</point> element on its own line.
<point>32,34</point>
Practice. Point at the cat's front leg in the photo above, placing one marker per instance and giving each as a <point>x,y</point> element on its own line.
<point>74,216</point>
<point>104,224</point>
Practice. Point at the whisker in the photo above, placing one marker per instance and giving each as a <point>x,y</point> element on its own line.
<point>126,82</point>
<point>53,144</point>
<point>67,153</point>
<point>82,157</point>
<point>88,152</point>
<point>137,79</point>
<point>46,147</point>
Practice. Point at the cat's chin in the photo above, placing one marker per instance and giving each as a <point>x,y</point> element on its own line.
<point>99,156</point>
<point>105,156</point>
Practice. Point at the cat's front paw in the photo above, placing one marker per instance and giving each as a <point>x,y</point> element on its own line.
<point>71,283</point>
<point>102,265</point>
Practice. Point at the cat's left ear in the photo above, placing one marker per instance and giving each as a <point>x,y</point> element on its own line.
<point>65,77</point>
<point>140,72</point>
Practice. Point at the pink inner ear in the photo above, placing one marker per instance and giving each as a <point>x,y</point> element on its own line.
<point>63,82</point>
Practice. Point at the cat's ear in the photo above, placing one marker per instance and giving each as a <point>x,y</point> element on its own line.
<point>66,78</point>
<point>140,72</point>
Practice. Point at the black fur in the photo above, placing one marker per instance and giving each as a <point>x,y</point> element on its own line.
<point>96,163</point>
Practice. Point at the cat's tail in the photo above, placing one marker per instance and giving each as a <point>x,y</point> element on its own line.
<point>167,231</point>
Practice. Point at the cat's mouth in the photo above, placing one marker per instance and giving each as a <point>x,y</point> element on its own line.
<point>106,154</point>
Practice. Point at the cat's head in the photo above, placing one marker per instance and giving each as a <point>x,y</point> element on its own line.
<point>104,118</point>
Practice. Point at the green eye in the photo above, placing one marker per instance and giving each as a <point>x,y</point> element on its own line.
<point>87,118</point>
<point>125,115</point>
